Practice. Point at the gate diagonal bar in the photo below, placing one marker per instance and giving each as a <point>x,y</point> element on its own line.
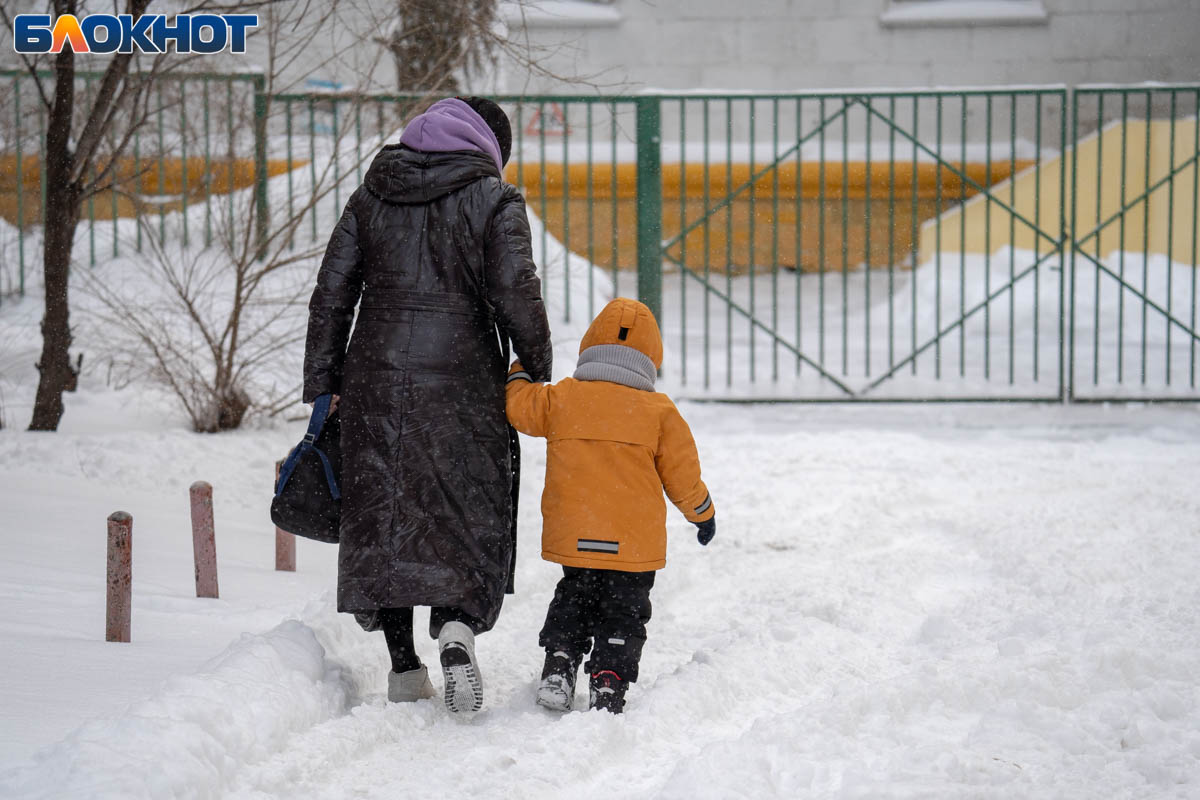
<point>772,167</point>
<point>941,162</point>
<point>678,251</point>
<point>957,323</point>
<point>1124,284</point>
<point>710,289</point>
<point>987,193</point>
<point>1144,197</point>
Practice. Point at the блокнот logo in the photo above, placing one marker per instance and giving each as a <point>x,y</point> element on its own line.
<point>121,33</point>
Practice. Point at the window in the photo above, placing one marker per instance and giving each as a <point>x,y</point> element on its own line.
<point>928,13</point>
<point>561,13</point>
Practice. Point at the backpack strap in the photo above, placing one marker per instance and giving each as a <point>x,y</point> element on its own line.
<point>316,424</point>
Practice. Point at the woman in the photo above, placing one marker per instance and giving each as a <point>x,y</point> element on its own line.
<point>434,248</point>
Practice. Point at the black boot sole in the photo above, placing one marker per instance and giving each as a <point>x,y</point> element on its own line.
<point>464,689</point>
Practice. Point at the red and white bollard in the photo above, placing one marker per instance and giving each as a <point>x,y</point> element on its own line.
<point>204,546</point>
<point>120,577</point>
<point>285,543</point>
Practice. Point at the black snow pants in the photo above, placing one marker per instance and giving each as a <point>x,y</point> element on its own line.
<point>601,610</point>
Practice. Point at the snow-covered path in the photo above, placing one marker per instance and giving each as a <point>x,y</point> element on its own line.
<point>962,601</point>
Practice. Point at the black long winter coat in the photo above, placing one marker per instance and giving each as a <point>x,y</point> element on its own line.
<point>438,248</point>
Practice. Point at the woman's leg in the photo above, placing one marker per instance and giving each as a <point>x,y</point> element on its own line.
<point>408,680</point>
<point>455,631</point>
<point>397,624</point>
<point>440,615</point>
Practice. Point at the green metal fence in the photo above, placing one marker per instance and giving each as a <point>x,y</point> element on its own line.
<point>196,142</point>
<point>910,245</point>
<point>569,155</point>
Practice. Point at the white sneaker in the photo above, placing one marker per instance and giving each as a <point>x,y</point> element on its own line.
<point>464,687</point>
<point>408,687</point>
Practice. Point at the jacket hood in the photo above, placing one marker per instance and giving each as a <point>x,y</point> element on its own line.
<point>400,174</point>
<point>450,125</point>
<point>629,323</point>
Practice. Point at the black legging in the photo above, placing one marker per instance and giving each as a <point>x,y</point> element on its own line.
<point>397,625</point>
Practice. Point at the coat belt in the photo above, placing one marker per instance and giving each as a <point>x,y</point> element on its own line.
<point>436,302</point>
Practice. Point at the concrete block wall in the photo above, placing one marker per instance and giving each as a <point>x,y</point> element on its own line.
<point>809,44</point>
<point>775,45</point>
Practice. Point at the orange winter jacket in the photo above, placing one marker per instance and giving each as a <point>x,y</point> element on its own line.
<point>611,451</point>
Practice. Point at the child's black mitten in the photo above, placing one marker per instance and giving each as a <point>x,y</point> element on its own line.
<point>708,529</point>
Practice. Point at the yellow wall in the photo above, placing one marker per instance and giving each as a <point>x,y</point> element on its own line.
<point>782,195</point>
<point>1100,172</point>
<point>141,177</point>
<point>779,197</point>
<point>1178,236</point>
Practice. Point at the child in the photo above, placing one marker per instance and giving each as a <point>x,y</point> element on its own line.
<point>613,445</point>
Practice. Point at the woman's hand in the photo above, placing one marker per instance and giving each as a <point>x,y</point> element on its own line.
<point>333,404</point>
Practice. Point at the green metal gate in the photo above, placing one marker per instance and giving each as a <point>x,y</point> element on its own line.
<point>860,255</point>
<point>1136,195</point>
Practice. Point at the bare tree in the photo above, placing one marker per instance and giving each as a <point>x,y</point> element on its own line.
<point>433,39</point>
<point>210,324</point>
<point>437,43</point>
<point>85,139</point>
<point>215,324</point>
<point>68,159</point>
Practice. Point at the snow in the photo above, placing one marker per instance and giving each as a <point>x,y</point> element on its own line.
<point>985,601</point>
<point>906,601</point>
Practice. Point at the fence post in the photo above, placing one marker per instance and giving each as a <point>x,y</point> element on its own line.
<point>1066,283</point>
<point>20,184</point>
<point>649,203</point>
<point>285,543</point>
<point>204,546</point>
<point>120,577</point>
<point>262,210</point>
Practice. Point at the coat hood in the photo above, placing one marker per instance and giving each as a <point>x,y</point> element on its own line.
<point>629,323</point>
<point>400,174</point>
<point>450,125</point>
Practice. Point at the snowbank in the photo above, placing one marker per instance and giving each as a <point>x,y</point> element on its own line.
<point>198,730</point>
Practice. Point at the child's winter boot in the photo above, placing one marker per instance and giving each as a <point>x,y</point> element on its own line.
<point>607,691</point>
<point>408,687</point>
<point>464,687</point>
<point>557,689</point>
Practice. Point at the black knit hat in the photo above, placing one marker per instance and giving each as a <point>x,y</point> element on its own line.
<point>496,119</point>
